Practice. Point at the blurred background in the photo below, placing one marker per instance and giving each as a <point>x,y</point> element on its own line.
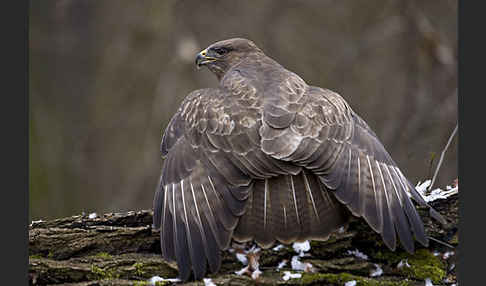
<point>106,77</point>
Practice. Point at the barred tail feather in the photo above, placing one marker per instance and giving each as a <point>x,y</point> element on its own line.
<point>290,208</point>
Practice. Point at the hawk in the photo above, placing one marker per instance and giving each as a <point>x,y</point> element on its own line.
<point>266,157</point>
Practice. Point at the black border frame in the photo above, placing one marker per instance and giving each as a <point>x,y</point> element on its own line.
<point>15,121</point>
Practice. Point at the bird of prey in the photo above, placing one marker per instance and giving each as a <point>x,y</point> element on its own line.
<point>266,157</point>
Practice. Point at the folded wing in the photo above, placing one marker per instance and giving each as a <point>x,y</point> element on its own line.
<point>201,194</point>
<point>326,137</point>
<point>212,155</point>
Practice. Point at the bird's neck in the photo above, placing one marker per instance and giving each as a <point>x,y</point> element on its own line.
<point>253,67</point>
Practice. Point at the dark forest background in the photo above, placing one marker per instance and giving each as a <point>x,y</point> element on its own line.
<point>106,76</point>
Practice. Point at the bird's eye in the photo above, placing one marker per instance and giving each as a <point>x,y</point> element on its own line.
<point>221,50</point>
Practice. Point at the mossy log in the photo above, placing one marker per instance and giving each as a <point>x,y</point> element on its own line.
<point>122,249</point>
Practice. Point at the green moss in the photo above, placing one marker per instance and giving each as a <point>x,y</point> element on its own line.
<point>138,269</point>
<point>104,274</point>
<point>423,264</point>
<point>390,257</point>
<point>327,277</point>
<point>104,255</point>
<point>148,269</point>
<point>97,270</point>
<point>342,278</point>
<point>35,256</point>
<point>454,240</point>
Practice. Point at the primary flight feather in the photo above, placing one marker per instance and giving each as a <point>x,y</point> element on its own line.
<point>266,157</point>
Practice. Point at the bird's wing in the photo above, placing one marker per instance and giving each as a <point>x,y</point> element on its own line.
<point>316,129</point>
<point>201,193</point>
<point>212,153</point>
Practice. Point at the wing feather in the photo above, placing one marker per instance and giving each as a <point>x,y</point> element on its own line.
<point>412,215</point>
<point>202,191</point>
<point>375,214</point>
<point>327,138</point>
<point>167,233</point>
<point>388,231</point>
<point>180,239</point>
<point>399,215</point>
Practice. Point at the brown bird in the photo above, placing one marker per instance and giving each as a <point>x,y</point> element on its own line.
<point>266,157</point>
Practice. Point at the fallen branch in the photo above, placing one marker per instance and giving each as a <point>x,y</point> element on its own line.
<point>442,157</point>
<point>122,249</point>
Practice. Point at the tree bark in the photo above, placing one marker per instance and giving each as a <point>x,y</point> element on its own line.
<point>122,249</point>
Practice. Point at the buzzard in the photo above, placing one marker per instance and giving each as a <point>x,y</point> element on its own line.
<point>266,157</point>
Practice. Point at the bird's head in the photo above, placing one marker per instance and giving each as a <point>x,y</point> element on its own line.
<point>221,56</point>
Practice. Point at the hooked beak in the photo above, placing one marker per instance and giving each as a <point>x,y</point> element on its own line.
<point>202,58</point>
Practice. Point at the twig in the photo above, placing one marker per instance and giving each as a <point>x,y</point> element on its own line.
<point>442,157</point>
<point>441,242</point>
